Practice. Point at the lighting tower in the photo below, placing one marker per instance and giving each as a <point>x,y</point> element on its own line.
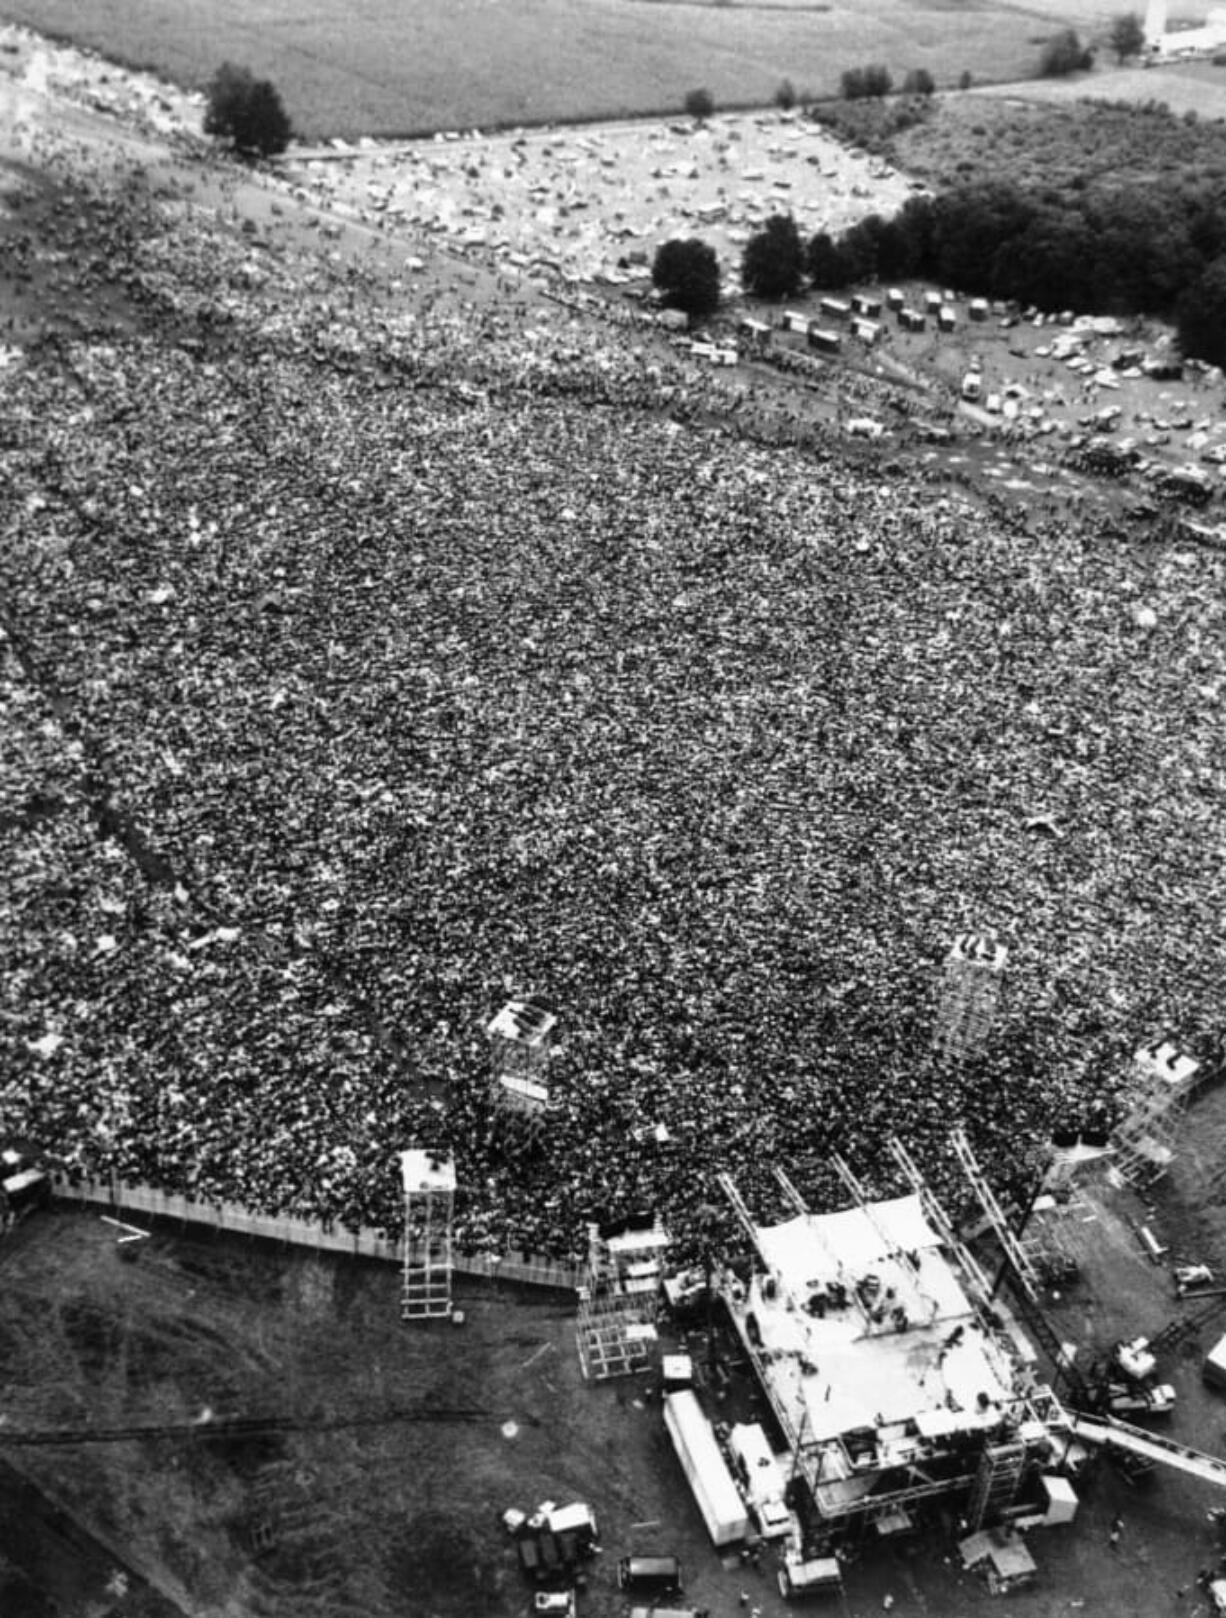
<point>429,1208</point>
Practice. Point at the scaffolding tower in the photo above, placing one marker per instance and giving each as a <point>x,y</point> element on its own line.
<point>970,989</point>
<point>521,1046</point>
<point>429,1208</point>
<point>998,1478</point>
<point>619,1302</point>
<point>1156,1099</point>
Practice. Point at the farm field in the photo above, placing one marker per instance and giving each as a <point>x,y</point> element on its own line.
<point>380,67</point>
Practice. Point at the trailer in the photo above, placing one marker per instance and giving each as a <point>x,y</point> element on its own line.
<point>825,342</point>
<point>715,1493</point>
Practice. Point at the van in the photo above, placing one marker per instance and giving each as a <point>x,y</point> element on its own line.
<point>652,1575</point>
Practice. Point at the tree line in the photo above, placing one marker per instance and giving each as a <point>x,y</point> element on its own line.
<point>1121,252</point>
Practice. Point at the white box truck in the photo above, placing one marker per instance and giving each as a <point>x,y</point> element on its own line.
<point>715,1493</point>
<point>761,1478</point>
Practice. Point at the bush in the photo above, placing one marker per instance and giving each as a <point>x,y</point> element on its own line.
<point>1063,54</point>
<point>919,82</point>
<point>246,111</point>
<point>699,104</point>
<point>686,275</point>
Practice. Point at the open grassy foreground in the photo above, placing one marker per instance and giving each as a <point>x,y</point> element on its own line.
<point>404,66</point>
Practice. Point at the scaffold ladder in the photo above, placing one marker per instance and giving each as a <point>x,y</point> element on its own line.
<point>1022,1268</point>
<point>941,1221</point>
<point>726,1184</point>
<point>795,1201</point>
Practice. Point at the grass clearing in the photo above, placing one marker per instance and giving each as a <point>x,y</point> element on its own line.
<point>386,67</point>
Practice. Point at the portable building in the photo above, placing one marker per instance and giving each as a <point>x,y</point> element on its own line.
<point>793,320</point>
<point>894,299</point>
<point>946,318</point>
<point>978,309</point>
<point>834,309</point>
<point>932,302</point>
<point>869,307</point>
<point>911,320</point>
<point>867,331</point>
<point>826,342</point>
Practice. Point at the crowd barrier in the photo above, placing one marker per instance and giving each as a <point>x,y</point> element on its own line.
<point>123,1197</point>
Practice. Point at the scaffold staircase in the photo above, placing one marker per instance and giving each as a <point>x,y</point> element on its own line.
<point>996,1485</point>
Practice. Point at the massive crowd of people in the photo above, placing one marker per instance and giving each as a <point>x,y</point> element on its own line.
<point>366,663</point>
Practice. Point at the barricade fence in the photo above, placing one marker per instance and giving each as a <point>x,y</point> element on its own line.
<point>125,1197</point>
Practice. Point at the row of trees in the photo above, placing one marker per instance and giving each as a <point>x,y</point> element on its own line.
<point>1126,252</point>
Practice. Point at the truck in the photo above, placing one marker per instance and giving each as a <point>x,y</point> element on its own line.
<point>818,1576</point>
<point>711,1483</point>
<point>761,1480</point>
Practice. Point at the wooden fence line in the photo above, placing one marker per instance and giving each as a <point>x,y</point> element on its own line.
<point>513,1264</point>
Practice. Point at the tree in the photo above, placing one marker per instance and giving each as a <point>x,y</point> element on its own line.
<point>919,82</point>
<point>852,82</point>
<point>686,275</point>
<point>699,104</point>
<point>246,111</point>
<point>785,95</point>
<point>774,259</point>
<point>827,263</point>
<point>1200,315</point>
<point>877,80</point>
<point>1127,36</point>
<point>1064,53</point>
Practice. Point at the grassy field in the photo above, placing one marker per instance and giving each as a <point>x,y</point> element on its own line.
<point>1198,87</point>
<point>405,66</point>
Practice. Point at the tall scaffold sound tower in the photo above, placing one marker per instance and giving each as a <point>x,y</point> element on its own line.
<point>1161,1085</point>
<point>970,990</point>
<point>429,1209</point>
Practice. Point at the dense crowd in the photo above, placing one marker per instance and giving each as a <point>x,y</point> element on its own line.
<point>363,665</point>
